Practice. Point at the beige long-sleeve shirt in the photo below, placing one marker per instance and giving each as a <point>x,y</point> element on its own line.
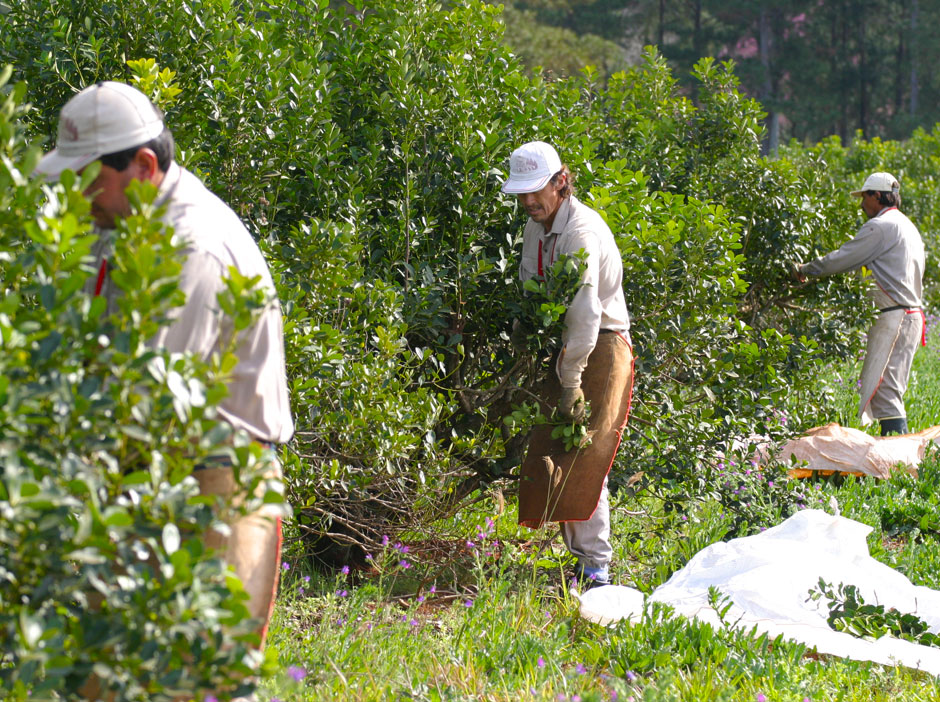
<point>214,239</point>
<point>599,303</point>
<point>890,245</point>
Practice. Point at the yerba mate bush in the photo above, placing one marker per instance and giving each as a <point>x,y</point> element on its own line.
<point>365,143</point>
<point>104,580</point>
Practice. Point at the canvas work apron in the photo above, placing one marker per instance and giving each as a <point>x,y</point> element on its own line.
<point>892,341</point>
<point>252,546</point>
<point>567,486</point>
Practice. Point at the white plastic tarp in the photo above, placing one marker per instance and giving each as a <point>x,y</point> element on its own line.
<point>767,578</point>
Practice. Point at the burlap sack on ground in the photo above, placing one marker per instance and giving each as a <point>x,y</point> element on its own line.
<point>568,485</point>
<point>834,448</point>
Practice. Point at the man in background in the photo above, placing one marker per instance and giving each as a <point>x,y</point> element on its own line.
<point>891,247</point>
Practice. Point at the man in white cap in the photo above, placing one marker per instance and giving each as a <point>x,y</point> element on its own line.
<point>595,363</point>
<point>117,125</point>
<point>890,246</point>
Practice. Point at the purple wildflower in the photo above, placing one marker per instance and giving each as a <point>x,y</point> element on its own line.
<point>540,662</point>
<point>297,673</point>
<point>404,564</point>
<point>344,570</point>
<point>468,603</point>
<point>384,540</point>
<point>579,669</point>
<point>631,676</point>
<point>285,565</point>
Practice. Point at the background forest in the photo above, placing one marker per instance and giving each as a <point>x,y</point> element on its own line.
<point>818,68</point>
<point>364,145</point>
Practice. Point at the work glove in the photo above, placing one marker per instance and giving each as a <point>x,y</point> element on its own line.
<point>571,404</point>
<point>796,272</point>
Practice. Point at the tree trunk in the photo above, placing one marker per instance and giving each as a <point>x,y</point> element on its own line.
<point>767,92</point>
<point>662,23</point>
<point>913,51</point>
<point>862,77</point>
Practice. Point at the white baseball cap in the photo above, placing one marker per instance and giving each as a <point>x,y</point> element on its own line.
<point>102,119</point>
<point>531,166</point>
<point>883,182</point>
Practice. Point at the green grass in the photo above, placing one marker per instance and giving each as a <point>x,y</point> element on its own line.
<point>493,620</point>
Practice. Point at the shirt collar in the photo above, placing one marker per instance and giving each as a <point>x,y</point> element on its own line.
<point>169,183</point>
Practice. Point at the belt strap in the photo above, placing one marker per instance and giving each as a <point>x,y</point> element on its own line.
<point>897,307</point>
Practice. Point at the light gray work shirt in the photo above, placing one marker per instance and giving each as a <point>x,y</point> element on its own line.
<point>214,239</point>
<point>599,303</point>
<point>888,244</point>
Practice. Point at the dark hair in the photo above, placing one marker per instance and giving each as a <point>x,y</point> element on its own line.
<point>886,198</point>
<point>568,189</point>
<point>163,146</point>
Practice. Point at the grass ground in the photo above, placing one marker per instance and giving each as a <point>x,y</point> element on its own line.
<point>490,618</point>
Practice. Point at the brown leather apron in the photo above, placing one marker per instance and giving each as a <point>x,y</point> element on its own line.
<point>562,486</point>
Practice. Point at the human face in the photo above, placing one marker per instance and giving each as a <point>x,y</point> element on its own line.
<point>107,191</point>
<point>871,206</point>
<point>542,205</point>
<point>108,199</point>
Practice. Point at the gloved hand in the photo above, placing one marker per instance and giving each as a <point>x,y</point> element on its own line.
<point>571,404</point>
<point>796,271</point>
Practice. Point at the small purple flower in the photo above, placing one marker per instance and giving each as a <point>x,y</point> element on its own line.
<point>433,589</point>
<point>468,603</point>
<point>631,676</point>
<point>306,578</point>
<point>760,697</point>
<point>413,622</point>
<point>471,545</point>
<point>285,565</point>
<point>404,564</point>
<point>576,698</point>
<point>770,483</point>
<point>368,556</point>
<point>384,540</point>
<point>344,570</point>
<point>579,669</point>
<point>342,593</point>
<point>540,662</point>
<point>210,698</point>
<point>420,598</point>
<point>297,673</point>
<point>613,696</point>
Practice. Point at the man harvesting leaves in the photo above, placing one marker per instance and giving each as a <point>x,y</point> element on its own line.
<point>594,365</point>
<point>891,247</point>
<point>118,126</point>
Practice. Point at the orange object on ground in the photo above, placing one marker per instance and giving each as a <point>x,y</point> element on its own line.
<point>836,449</point>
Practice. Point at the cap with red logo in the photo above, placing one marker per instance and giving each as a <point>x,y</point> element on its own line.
<point>102,119</point>
<point>531,166</point>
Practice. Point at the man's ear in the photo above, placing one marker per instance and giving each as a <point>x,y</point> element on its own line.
<point>146,166</point>
<point>561,180</point>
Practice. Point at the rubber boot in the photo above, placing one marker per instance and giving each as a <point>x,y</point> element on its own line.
<point>895,425</point>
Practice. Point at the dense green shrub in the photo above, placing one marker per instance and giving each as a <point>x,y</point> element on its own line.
<point>102,567</point>
<point>364,143</point>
